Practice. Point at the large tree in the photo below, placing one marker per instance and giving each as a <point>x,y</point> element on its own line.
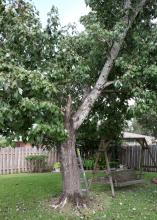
<point>51,79</point>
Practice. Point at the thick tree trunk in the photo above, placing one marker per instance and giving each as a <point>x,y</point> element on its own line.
<point>70,170</point>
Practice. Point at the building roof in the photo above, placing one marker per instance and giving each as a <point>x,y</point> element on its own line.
<point>134,136</point>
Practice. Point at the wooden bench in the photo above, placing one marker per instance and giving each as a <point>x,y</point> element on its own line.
<point>101,180</point>
<point>126,177</point>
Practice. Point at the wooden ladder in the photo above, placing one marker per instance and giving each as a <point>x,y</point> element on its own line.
<point>83,178</point>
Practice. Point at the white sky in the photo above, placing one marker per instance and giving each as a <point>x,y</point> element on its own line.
<point>69,10</point>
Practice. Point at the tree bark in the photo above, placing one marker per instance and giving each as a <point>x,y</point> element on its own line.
<point>70,170</point>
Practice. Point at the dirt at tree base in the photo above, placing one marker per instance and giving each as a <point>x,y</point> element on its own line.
<point>95,202</point>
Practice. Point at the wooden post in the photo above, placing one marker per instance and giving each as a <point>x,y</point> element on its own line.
<point>95,164</point>
<point>142,143</point>
<point>109,170</point>
<point>144,146</point>
<point>151,155</point>
<point>141,161</point>
<point>97,157</point>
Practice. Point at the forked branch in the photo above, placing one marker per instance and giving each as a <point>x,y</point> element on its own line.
<point>102,81</point>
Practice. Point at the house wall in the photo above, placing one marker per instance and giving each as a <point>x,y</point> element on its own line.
<point>22,144</point>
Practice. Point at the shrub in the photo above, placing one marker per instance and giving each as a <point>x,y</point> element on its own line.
<point>37,163</point>
<point>88,164</point>
<point>40,157</point>
<point>3,142</point>
<point>56,165</point>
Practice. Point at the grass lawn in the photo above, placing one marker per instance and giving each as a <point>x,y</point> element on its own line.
<point>26,196</point>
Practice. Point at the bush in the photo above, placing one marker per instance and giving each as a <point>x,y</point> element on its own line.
<point>88,164</point>
<point>56,165</point>
<point>37,163</point>
<point>4,142</point>
<point>114,164</point>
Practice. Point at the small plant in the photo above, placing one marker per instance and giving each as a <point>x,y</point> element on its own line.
<point>114,164</point>
<point>88,164</point>
<point>37,163</point>
<point>56,166</point>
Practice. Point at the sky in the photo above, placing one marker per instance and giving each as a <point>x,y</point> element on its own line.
<point>69,10</point>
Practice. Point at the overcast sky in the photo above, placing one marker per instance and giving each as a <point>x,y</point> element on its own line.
<point>69,10</point>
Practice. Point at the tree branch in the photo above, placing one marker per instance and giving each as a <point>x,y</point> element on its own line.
<point>68,108</point>
<point>109,83</point>
<point>89,101</point>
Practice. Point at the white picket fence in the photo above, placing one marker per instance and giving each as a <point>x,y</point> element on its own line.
<point>12,160</point>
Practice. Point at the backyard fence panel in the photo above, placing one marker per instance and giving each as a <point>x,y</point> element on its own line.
<point>13,160</point>
<point>130,156</point>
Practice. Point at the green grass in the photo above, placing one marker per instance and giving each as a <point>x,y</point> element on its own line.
<point>134,202</point>
<point>23,196</point>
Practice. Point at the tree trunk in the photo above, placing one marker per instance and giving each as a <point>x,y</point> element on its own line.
<point>70,171</point>
<point>69,165</point>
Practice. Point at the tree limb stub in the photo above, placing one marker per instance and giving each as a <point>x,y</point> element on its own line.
<point>68,107</point>
<point>101,83</point>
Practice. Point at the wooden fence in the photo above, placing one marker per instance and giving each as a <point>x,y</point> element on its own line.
<point>130,156</point>
<point>12,160</point>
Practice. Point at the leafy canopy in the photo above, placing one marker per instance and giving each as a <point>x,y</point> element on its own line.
<point>40,67</point>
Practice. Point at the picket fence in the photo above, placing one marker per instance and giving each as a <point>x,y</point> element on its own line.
<point>130,156</point>
<point>12,160</point>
